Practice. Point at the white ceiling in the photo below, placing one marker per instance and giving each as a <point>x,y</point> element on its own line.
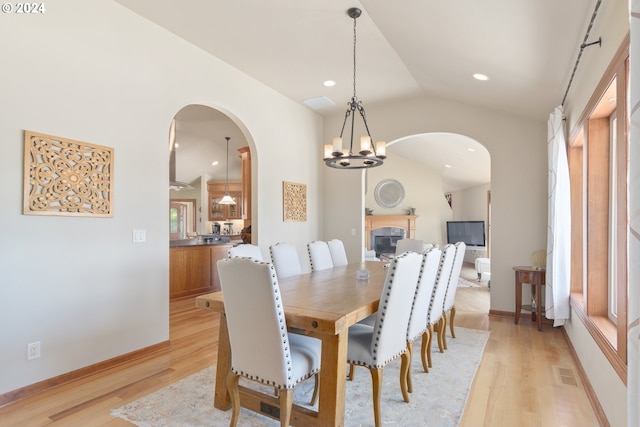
<point>408,47</point>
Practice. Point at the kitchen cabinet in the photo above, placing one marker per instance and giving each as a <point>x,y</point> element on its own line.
<point>193,269</point>
<point>218,212</point>
<point>245,156</point>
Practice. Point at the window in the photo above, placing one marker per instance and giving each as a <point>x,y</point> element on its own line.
<point>598,168</point>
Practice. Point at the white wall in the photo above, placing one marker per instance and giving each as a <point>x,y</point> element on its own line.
<point>96,72</point>
<point>517,147</point>
<point>612,24</point>
<point>470,204</point>
<point>423,191</point>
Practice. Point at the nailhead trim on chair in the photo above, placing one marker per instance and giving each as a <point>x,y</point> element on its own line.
<point>422,267</point>
<point>286,342</point>
<point>310,259</point>
<point>376,363</point>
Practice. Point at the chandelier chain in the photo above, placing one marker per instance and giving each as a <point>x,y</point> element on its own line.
<point>354,57</point>
<point>226,185</point>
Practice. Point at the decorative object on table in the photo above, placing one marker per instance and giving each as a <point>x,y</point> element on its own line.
<point>539,259</point>
<point>188,401</point>
<point>362,274</point>
<point>389,193</point>
<point>369,155</point>
<point>368,211</point>
<point>227,199</point>
<point>411,211</point>
<point>66,177</point>
<point>294,202</point>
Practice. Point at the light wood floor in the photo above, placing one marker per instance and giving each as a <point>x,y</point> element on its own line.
<point>524,378</point>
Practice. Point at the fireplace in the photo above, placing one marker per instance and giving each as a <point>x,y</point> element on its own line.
<point>381,232</point>
<point>384,240</point>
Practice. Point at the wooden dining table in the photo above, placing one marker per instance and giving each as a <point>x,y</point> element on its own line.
<point>323,304</point>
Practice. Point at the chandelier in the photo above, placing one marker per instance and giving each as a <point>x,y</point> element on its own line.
<point>369,155</point>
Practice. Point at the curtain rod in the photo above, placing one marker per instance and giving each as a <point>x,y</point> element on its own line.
<point>582,46</point>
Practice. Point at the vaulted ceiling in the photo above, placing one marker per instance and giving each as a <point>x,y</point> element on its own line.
<point>427,47</point>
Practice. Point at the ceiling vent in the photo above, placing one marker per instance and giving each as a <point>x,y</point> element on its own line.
<point>319,103</point>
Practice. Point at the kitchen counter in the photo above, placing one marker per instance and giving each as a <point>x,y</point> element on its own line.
<point>206,240</point>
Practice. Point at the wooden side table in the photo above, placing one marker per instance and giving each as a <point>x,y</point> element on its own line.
<point>536,278</point>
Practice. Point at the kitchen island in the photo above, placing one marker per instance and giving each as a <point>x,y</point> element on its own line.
<point>193,265</point>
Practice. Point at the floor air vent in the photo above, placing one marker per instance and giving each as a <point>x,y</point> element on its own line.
<point>567,377</point>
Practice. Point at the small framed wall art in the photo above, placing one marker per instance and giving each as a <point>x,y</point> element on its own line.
<point>294,202</point>
<point>66,177</point>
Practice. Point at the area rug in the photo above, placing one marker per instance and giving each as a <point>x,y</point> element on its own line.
<point>464,283</point>
<point>438,397</point>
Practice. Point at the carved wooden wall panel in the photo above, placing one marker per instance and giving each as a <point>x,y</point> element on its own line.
<point>66,177</point>
<point>294,201</point>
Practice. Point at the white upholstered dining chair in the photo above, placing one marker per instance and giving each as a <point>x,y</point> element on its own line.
<point>418,320</point>
<point>450,297</point>
<point>338,254</point>
<point>404,245</point>
<point>319,255</point>
<point>261,349</point>
<point>434,315</point>
<point>376,346</point>
<point>246,250</point>
<point>285,260</point>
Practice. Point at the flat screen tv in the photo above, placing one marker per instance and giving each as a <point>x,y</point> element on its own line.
<point>469,232</point>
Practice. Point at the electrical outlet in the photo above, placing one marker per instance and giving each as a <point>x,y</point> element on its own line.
<point>33,350</point>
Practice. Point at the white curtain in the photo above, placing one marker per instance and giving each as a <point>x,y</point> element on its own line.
<point>559,224</point>
<point>633,310</point>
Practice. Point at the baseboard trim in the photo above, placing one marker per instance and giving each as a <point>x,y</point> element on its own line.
<point>39,387</point>
<point>591,394</point>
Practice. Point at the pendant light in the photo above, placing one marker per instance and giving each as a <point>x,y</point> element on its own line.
<point>369,155</point>
<point>227,199</point>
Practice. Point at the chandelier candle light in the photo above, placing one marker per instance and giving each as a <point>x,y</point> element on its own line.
<point>369,155</point>
<point>227,199</point>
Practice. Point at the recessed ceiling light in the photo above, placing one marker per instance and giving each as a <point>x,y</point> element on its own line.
<point>176,145</point>
<point>329,83</point>
<point>479,76</point>
<point>447,166</point>
<point>215,163</point>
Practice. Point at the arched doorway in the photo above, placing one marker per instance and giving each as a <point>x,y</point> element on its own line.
<point>210,156</point>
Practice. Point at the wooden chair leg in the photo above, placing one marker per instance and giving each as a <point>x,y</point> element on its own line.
<point>232,385</point>
<point>423,350</point>
<point>376,380</point>
<point>352,371</point>
<point>408,381</point>
<point>405,367</point>
<point>286,401</point>
<point>453,316</point>
<point>316,385</point>
<point>429,345</point>
<point>439,329</point>
<point>444,330</point>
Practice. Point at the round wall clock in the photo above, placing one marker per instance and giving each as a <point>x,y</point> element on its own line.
<point>389,193</point>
